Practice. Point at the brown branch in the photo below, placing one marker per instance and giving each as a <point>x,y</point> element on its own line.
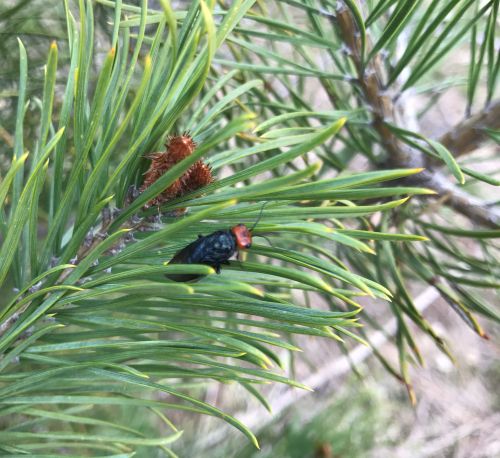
<point>469,134</point>
<point>473,208</point>
<point>403,156</point>
<point>370,79</point>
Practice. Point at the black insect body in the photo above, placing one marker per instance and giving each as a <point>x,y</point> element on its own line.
<point>212,250</point>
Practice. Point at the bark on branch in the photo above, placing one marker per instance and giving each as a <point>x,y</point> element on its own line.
<point>475,209</point>
<point>469,134</point>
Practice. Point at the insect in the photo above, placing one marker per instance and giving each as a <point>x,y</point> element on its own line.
<point>214,249</point>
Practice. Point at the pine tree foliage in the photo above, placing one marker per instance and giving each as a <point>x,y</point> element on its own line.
<point>91,327</point>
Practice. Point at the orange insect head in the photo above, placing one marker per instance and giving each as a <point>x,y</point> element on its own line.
<point>243,236</point>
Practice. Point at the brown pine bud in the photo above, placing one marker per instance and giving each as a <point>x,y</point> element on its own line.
<point>199,175</point>
<point>179,147</point>
<point>159,165</point>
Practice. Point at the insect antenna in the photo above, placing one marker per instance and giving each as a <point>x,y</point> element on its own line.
<point>260,215</point>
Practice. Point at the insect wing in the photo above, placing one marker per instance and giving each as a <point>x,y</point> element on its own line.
<point>185,256</point>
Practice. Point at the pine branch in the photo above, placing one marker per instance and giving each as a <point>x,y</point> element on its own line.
<point>466,136</point>
<point>401,155</point>
<point>473,208</point>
